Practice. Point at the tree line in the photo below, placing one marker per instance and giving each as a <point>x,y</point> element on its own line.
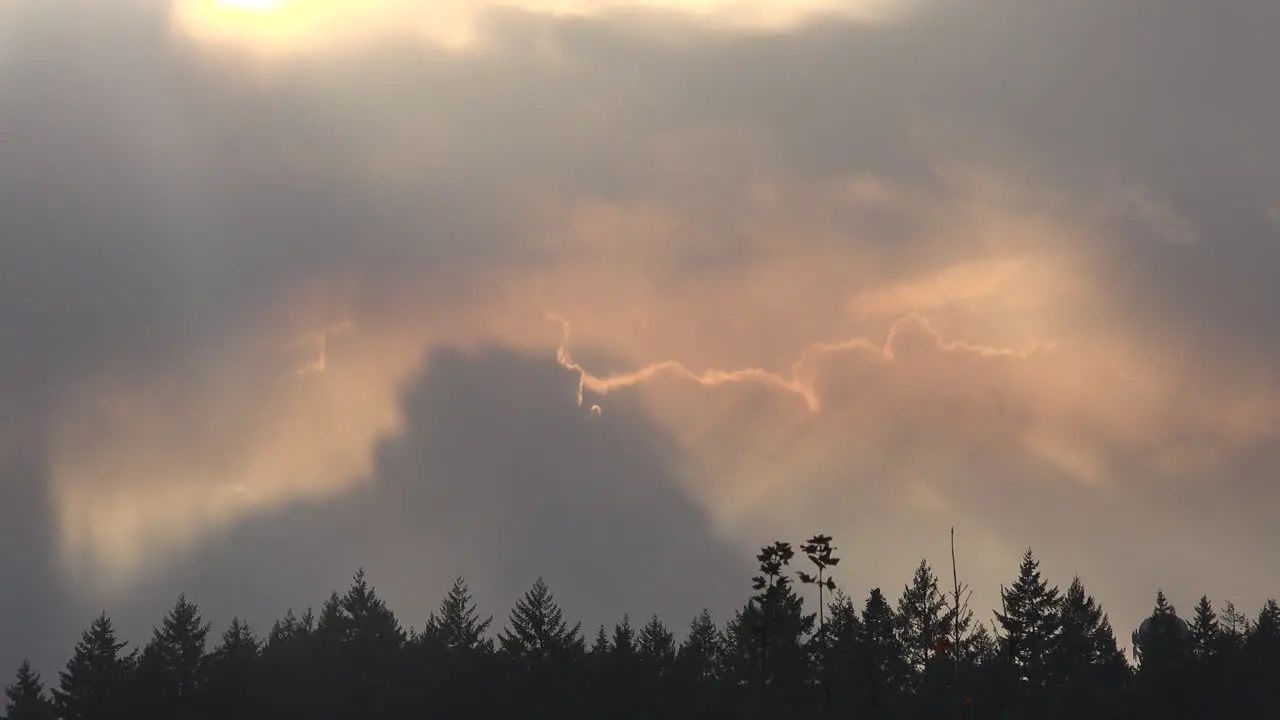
<point>1046,653</point>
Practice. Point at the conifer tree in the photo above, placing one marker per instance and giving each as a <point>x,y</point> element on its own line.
<point>924,619</point>
<point>657,646</point>
<point>701,654</point>
<point>232,672</point>
<point>884,667</point>
<point>1205,630</point>
<point>1030,621</point>
<point>172,665</point>
<point>25,698</point>
<point>94,683</point>
<point>623,645</point>
<point>1263,642</point>
<point>844,630</point>
<point>537,632</point>
<point>1086,669</point>
<point>369,621</point>
<point>458,626</point>
<point>1082,641</point>
<point>600,647</point>
<point>980,647</point>
<point>1234,628</point>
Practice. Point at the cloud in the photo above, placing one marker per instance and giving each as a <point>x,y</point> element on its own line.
<point>493,476</point>
<point>687,191</point>
<point>290,27</point>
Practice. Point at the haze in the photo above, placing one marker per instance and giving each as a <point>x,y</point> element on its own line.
<point>616,293</point>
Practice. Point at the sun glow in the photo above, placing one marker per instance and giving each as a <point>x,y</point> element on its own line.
<point>253,6</point>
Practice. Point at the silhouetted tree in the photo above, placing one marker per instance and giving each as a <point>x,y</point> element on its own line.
<point>600,647</point>
<point>230,688</point>
<point>94,685</point>
<point>537,632</point>
<point>1085,669</point>
<point>1030,621</point>
<point>701,655</point>
<point>171,670</point>
<point>457,626</point>
<point>819,551</point>
<point>25,698</point>
<point>1052,655</point>
<point>1205,630</point>
<point>924,621</point>
<point>776,619</point>
<point>545,652</point>
<point>657,646</point>
<point>1262,661</point>
<point>884,664</point>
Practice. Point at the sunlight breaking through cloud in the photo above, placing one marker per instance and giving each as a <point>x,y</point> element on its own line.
<point>287,27</point>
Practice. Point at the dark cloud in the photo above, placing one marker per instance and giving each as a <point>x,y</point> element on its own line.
<point>496,477</point>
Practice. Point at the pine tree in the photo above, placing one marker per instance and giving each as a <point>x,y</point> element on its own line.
<point>25,699</point>
<point>290,665</point>
<point>623,645</point>
<point>369,621</point>
<point>980,647</point>
<point>458,626</point>
<point>232,672</point>
<point>1235,627</point>
<point>924,620</point>
<point>94,683</point>
<point>884,668</point>
<point>1030,621</point>
<point>600,648</point>
<point>536,630</point>
<point>172,666</point>
<point>844,631</point>
<point>1086,669</point>
<point>701,654</point>
<point>1082,642</point>
<point>657,646</point>
<point>1263,642</point>
<point>1205,630</point>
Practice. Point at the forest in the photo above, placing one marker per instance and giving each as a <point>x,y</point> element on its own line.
<point>798,647</point>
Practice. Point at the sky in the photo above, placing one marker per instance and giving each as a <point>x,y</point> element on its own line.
<point>617,292</point>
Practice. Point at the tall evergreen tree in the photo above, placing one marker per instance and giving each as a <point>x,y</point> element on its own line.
<point>1205,630</point>
<point>536,630</point>
<point>171,670</point>
<point>600,647</point>
<point>700,674</point>
<point>623,645</point>
<point>369,621</point>
<point>1030,622</point>
<point>25,699</point>
<point>657,646</point>
<point>458,626</point>
<point>95,682</point>
<point>884,665</point>
<point>1086,669</point>
<point>1235,627</point>
<point>701,655</point>
<point>924,620</point>
<point>841,658</point>
<point>1263,642</point>
<point>232,673</point>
